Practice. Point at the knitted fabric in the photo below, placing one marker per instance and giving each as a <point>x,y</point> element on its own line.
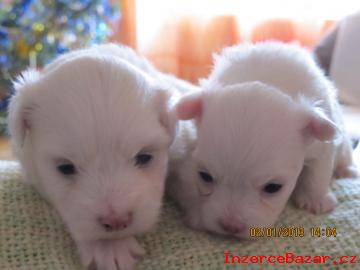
<point>33,237</point>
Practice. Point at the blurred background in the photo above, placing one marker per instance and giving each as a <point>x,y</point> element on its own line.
<point>178,36</point>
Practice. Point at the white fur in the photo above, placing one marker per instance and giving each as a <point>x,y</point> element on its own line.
<point>266,114</point>
<point>97,108</point>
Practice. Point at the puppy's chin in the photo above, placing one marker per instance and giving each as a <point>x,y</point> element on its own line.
<point>148,220</point>
<point>210,225</point>
<point>216,231</point>
<point>85,227</point>
<point>98,235</point>
<point>89,232</point>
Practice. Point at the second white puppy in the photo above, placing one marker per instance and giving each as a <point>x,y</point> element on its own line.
<point>92,132</point>
<point>266,125</point>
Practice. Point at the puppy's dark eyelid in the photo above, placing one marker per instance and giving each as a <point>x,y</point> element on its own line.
<point>67,169</point>
<point>206,177</point>
<point>142,159</point>
<point>272,188</point>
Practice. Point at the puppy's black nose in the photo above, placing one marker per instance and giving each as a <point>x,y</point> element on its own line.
<point>115,222</point>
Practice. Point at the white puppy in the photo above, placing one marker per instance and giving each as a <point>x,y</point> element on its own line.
<point>177,85</point>
<point>92,133</point>
<point>266,125</point>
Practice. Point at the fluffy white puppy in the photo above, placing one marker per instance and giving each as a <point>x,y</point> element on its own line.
<point>177,85</point>
<point>266,125</point>
<point>92,133</point>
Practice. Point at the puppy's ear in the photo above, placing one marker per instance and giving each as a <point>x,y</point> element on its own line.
<point>319,126</point>
<point>190,106</point>
<point>165,105</point>
<point>20,106</point>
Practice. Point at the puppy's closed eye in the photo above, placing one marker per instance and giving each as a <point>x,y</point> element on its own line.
<point>206,177</point>
<point>143,159</point>
<point>272,188</point>
<point>206,184</point>
<point>67,168</point>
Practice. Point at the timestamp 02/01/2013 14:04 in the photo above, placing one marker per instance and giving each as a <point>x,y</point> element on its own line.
<point>292,232</point>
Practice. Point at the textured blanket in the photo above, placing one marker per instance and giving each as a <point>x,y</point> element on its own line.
<point>32,236</point>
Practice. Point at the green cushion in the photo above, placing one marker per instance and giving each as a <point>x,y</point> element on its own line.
<point>33,237</point>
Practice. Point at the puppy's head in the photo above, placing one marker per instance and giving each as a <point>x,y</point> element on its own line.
<point>93,135</point>
<point>249,153</point>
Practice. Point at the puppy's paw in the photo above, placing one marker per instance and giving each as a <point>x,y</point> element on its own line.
<point>347,172</point>
<point>315,204</point>
<point>120,254</point>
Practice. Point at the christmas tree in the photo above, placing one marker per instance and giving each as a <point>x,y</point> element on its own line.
<point>34,32</point>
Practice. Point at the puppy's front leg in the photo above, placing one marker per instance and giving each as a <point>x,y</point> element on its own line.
<point>116,254</point>
<point>313,189</point>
